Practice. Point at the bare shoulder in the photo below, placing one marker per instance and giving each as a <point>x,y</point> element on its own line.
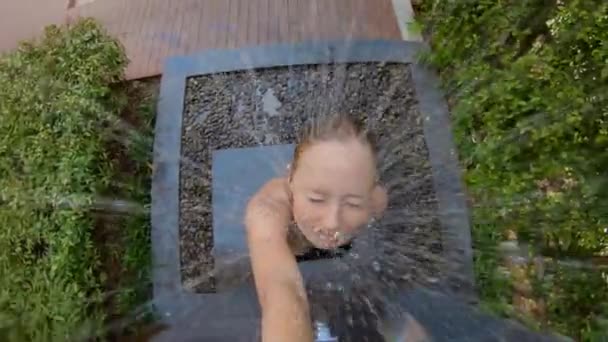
<point>274,193</point>
<point>275,188</point>
<point>269,207</point>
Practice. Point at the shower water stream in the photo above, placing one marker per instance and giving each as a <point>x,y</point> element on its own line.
<point>260,104</point>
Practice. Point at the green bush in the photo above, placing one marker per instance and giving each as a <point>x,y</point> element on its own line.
<point>528,85</point>
<point>55,100</point>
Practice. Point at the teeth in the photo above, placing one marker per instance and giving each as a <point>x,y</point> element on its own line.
<point>333,236</point>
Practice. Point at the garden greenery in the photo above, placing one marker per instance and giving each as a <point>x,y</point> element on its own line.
<point>56,101</point>
<point>527,83</point>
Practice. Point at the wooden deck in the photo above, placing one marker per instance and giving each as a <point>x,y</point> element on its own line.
<point>25,19</point>
<point>152,30</point>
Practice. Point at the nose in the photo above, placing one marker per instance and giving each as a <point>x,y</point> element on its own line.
<point>331,219</point>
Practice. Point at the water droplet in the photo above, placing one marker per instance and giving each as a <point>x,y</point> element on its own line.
<point>376,266</point>
<point>323,333</point>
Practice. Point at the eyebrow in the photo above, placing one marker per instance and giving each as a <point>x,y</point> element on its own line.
<point>318,192</point>
<point>349,196</point>
<point>324,193</point>
<point>353,196</point>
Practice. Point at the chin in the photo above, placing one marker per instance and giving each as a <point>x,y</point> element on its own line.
<point>326,245</point>
<point>321,244</point>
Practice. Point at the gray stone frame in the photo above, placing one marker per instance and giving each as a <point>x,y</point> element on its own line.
<point>170,299</point>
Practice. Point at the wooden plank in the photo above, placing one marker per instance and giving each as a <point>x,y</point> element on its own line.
<point>363,22</point>
<point>283,19</point>
<point>203,38</point>
<point>185,31</point>
<point>197,14</point>
<point>331,15</point>
<point>272,21</point>
<point>232,25</point>
<point>240,18</point>
<point>138,41</point>
<point>263,22</point>
<point>386,21</point>
<point>26,19</point>
<point>313,17</point>
<point>148,37</point>
<point>159,45</point>
<point>252,22</point>
<point>304,19</point>
<point>127,39</point>
<point>160,28</point>
<point>222,28</point>
<point>152,30</point>
<point>293,20</point>
<point>175,29</point>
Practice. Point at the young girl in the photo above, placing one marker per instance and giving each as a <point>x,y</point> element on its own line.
<point>330,193</point>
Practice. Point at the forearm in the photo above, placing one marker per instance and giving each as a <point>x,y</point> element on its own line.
<point>286,317</point>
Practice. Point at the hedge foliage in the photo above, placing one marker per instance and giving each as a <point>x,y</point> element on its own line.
<point>55,99</point>
<point>528,85</point>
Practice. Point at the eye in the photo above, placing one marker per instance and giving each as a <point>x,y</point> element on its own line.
<point>315,199</point>
<point>354,205</point>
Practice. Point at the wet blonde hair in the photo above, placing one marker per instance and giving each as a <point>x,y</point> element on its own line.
<point>339,127</point>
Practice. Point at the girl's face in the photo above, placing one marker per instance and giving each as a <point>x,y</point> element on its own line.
<point>332,191</point>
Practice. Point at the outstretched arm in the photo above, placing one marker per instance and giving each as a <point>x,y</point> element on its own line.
<point>279,284</point>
